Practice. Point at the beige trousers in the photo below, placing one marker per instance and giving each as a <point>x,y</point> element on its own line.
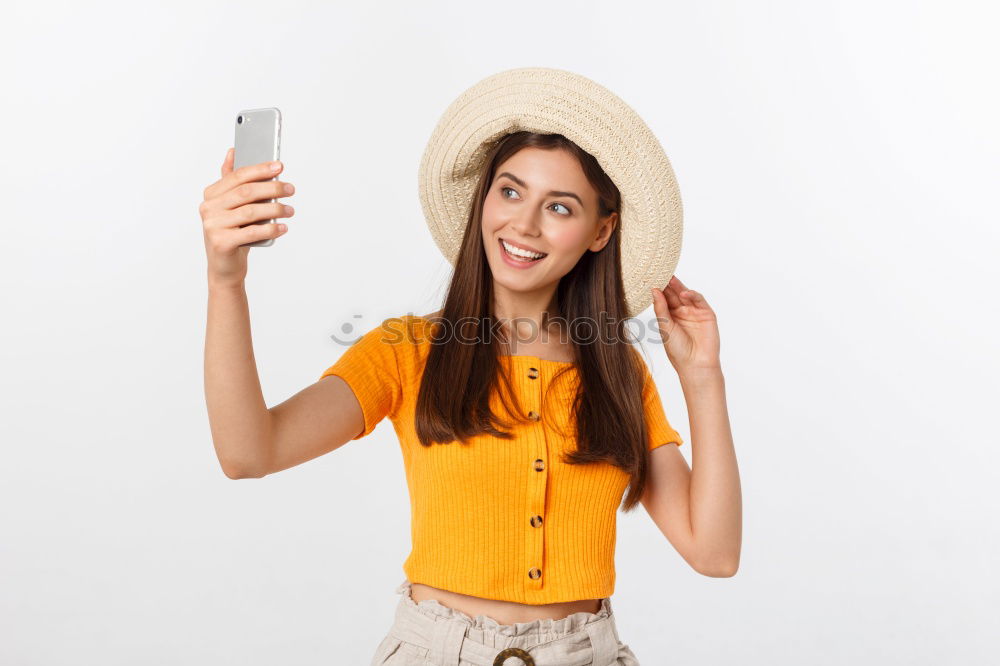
<point>429,633</point>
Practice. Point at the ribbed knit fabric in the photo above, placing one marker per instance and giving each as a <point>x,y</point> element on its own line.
<point>498,519</point>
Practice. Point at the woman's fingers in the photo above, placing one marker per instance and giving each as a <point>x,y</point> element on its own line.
<point>676,284</point>
<point>671,295</point>
<point>255,191</point>
<point>227,164</point>
<point>255,212</point>
<point>256,232</point>
<point>685,295</point>
<point>245,174</point>
<point>247,214</point>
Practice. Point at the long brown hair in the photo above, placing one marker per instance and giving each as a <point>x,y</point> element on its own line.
<point>458,379</point>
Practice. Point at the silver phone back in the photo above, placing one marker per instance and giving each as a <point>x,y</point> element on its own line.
<point>258,139</point>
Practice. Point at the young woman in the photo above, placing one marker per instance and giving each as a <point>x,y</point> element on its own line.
<point>519,432</point>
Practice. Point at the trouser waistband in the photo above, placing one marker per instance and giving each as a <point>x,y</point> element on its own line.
<point>446,643</point>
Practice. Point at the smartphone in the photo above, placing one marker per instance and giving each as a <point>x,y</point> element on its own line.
<point>258,139</point>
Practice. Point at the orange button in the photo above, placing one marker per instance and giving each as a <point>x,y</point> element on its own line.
<point>534,573</point>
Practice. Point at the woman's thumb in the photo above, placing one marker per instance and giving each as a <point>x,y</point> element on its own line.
<point>661,310</point>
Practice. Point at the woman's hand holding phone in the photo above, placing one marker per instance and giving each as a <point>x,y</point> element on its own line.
<point>231,202</point>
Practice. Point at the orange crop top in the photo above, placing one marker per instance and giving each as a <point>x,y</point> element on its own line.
<point>498,519</point>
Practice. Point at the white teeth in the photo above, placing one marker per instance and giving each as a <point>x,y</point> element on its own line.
<point>521,253</point>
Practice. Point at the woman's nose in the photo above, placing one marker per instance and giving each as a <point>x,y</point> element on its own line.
<point>527,224</point>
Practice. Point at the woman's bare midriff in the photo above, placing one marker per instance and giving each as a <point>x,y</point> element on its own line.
<point>504,612</point>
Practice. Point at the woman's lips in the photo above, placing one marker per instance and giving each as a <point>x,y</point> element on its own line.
<point>516,263</point>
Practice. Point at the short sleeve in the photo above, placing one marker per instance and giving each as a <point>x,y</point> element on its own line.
<point>370,368</point>
<point>659,429</point>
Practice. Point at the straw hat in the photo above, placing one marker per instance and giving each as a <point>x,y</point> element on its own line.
<point>556,101</point>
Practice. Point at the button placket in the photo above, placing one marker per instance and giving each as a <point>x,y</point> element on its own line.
<point>538,480</point>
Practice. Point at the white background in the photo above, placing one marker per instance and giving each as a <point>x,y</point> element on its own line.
<point>838,163</point>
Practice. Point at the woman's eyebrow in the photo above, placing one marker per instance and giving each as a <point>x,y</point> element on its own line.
<point>553,193</point>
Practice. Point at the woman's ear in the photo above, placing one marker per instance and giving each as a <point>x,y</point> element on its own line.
<point>604,228</point>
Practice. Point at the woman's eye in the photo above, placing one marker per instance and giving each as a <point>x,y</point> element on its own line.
<point>503,193</point>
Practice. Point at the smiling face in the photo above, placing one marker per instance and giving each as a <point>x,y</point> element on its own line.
<point>541,202</point>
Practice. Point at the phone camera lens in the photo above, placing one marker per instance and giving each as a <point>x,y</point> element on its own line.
<point>239,119</point>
